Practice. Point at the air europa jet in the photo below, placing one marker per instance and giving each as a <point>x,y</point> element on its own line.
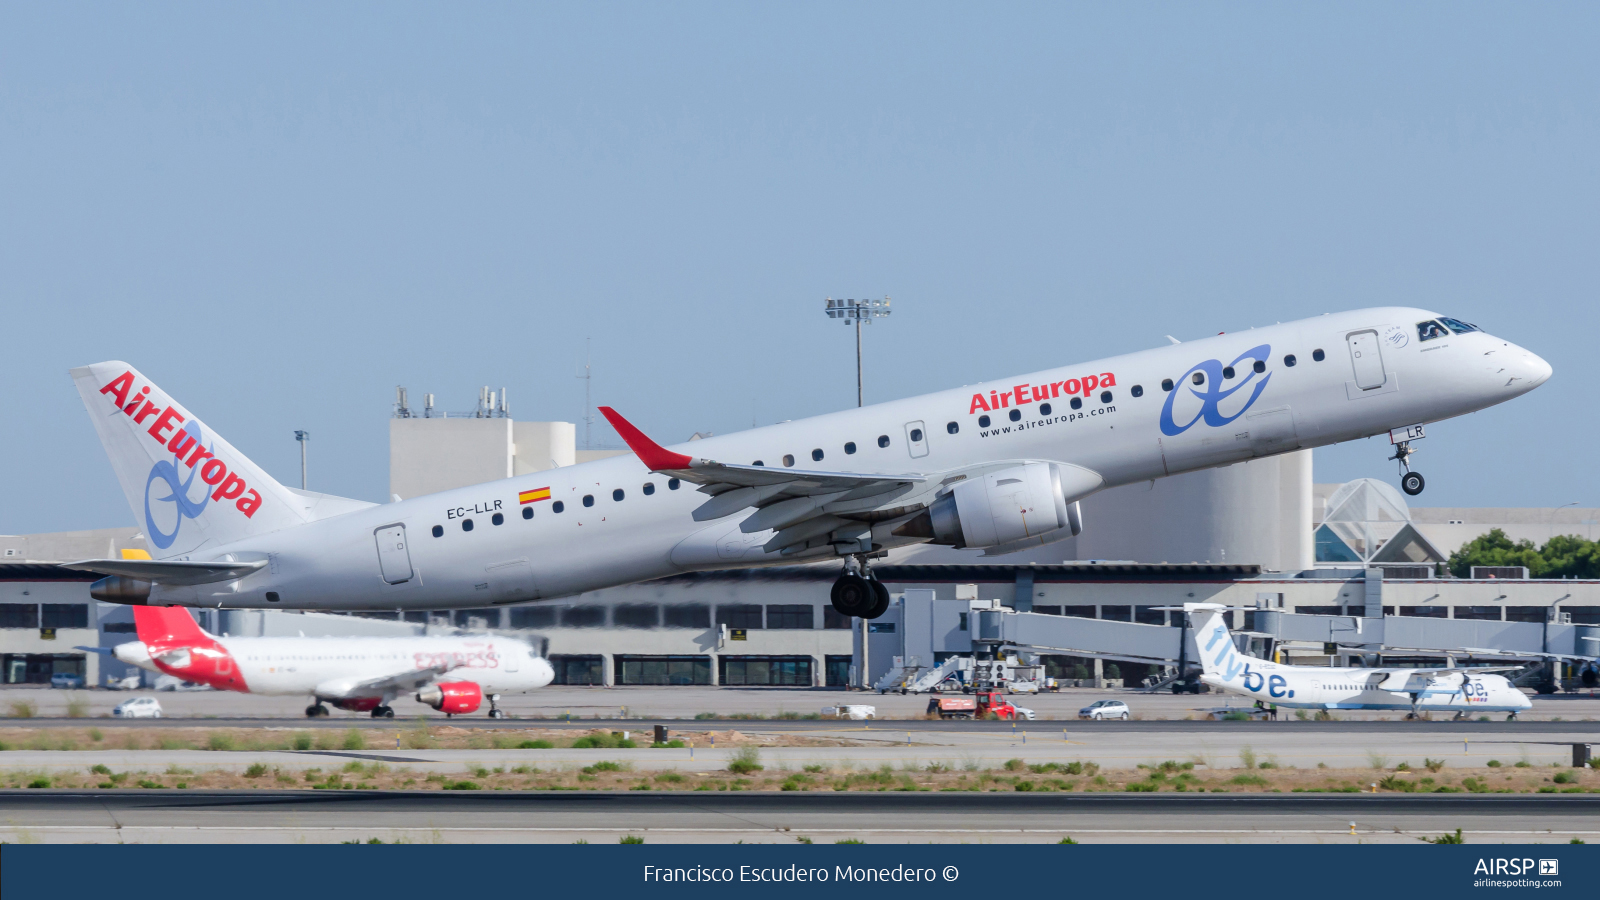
<point>1462,691</point>
<point>997,468</point>
<point>452,674</point>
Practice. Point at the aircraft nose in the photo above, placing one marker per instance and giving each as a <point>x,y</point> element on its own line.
<point>1539,371</point>
<point>543,673</point>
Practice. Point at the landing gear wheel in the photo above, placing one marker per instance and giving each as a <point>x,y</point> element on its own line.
<point>315,710</point>
<point>382,712</point>
<point>1412,483</point>
<point>1511,717</point>
<point>852,595</point>
<point>880,600</point>
<point>497,714</point>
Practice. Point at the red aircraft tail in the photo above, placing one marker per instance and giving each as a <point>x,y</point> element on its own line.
<point>166,625</point>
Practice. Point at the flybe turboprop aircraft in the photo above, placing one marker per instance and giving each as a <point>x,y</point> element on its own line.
<point>1450,689</point>
<point>451,674</point>
<point>996,467</point>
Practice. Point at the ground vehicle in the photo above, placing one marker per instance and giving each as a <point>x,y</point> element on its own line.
<point>138,708</point>
<point>1105,709</point>
<point>126,683</point>
<point>1022,687</point>
<point>63,680</point>
<point>851,711</point>
<point>977,706</point>
<point>1025,713</point>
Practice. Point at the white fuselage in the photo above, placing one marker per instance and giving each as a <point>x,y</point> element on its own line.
<point>621,524</point>
<point>1315,687</point>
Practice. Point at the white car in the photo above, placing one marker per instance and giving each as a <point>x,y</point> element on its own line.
<point>1105,709</point>
<point>138,708</point>
<point>1023,712</point>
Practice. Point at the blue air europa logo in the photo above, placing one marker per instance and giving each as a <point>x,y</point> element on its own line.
<point>178,493</point>
<point>1213,393</point>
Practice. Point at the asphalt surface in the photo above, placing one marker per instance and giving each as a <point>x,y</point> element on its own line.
<point>667,817</point>
<point>1282,726</point>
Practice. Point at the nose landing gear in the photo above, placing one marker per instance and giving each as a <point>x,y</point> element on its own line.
<point>856,593</point>
<point>1410,482</point>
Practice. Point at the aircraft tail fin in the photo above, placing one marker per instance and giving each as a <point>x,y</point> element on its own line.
<point>1213,639</point>
<point>188,487</point>
<point>166,625</point>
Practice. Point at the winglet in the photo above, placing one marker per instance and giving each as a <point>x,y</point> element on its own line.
<point>656,457</point>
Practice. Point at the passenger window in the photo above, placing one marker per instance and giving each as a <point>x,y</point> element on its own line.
<point>817,454</point>
<point>1458,326</point>
<point>916,435</point>
<point>588,499</point>
<point>557,506</point>
<point>1137,390</point>
<point>1290,360</point>
<point>527,512</point>
<point>466,524</point>
<point>1077,403</point>
<point>672,484</point>
<point>617,495</point>
<point>1044,409</point>
<point>1166,384</point>
<point>438,530</point>
<point>1105,396</point>
<point>983,421</point>
<point>883,440</point>
<point>952,427</point>
<point>788,460</point>
<point>1318,355</point>
<point>1199,378</point>
<point>1015,414</point>
<point>758,463</point>
<point>649,488</point>
<point>1429,330</point>
<point>1260,366</point>
<point>498,519</point>
<point>1227,371</point>
<point>849,447</point>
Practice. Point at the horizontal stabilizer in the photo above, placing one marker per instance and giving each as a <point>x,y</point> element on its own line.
<point>157,571</point>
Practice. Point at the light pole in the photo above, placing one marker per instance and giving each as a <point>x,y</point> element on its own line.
<point>860,312</point>
<point>1551,534</point>
<point>302,437</point>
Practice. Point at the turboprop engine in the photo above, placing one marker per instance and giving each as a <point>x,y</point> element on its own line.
<point>1009,509</point>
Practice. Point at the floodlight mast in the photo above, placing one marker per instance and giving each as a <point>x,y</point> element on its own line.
<point>860,312</point>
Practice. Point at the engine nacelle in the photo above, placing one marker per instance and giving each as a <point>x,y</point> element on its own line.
<point>1015,508</point>
<point>452,696</point>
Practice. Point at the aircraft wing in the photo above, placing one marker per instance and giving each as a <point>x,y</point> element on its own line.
<point>1396,679</point>
<point>161,571</point>
<point>409,680</point>
<point>797,504</point>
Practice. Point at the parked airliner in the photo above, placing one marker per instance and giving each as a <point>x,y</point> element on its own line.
<point>452,674</point>
<point>1462,691</point>
<point>996,467</point>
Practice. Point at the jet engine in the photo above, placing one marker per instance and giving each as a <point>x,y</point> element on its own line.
<point>454,697</point>
<point>1009,509</point>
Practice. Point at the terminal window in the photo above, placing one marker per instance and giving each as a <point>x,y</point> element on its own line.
<point>1117,613</point>
<point>1484,613</point>
<point>65,615</point>
<point>583,617</point>
<point>838,670</point>
<point>1526,613</point>
<point>577,669</point>
<point>1149,615</point>
<point>790,615</point>
<point>463,617</point>
<point>533,617</point>
<point>669,670</point>
<point>787,671</point>
<point>636,615</point>
<point>1426,612</point>
<point>833,620</point>
<point>688,615</point>
<point>1082,612</point>
<point>19,615</point>
<point>739,615</point>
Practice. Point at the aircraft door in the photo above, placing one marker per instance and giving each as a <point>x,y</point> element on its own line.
<point>510,582</point>
<point>916,439</point>
<point>1367,360</point>
<point>393,557</point>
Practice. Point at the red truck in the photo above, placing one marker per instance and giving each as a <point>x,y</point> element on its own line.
<point>977,706</point>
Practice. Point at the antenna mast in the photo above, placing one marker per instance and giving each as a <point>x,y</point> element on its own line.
<point>588,407</point>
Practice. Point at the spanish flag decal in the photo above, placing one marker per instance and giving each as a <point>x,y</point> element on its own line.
<point>534,495</point>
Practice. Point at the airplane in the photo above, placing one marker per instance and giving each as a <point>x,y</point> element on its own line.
<point>1462,691</point>
<point>996,467</point>
<point>454,675</point>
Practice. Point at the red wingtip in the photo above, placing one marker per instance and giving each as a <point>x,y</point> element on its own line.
<point>652,454</point>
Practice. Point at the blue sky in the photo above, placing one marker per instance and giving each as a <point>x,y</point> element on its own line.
<point>280,212</point>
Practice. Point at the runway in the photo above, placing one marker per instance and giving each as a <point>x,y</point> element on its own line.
<point>682,817</point>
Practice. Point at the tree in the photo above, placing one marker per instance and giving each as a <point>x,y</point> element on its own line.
<point>1564,556</point>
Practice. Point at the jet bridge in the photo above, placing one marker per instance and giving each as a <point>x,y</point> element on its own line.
<point>928,632</point>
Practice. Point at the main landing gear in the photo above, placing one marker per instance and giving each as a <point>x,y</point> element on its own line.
<point>857,593</point>
<point>316,710</point>
<point>382,712</point>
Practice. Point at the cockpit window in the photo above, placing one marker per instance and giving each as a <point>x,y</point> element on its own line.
<point>1427,331</point>
<point>1458,326</point>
